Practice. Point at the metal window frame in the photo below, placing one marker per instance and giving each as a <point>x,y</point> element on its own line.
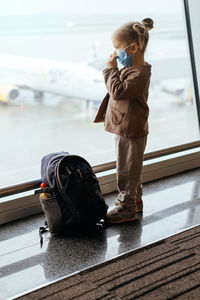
<point>192,56</point>
<point>31,185</point>
<point>25,204</point>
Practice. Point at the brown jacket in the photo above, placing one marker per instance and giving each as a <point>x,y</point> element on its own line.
<point>124,108</point>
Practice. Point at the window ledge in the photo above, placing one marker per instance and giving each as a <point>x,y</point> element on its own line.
<point>25,204</point>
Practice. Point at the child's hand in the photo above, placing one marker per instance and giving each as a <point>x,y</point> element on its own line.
<point>112,60</point>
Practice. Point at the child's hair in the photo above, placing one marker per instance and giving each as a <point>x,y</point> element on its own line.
<point>136,32</point>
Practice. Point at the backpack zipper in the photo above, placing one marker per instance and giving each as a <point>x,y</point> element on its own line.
<point>57,173</point>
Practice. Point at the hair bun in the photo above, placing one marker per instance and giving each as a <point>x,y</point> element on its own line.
<point>148,23</point>
<point>139,28</point>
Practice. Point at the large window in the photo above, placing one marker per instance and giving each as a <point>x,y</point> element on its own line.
<point>51,84</point>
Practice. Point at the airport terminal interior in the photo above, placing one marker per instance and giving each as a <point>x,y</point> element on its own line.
<point>52,58</point>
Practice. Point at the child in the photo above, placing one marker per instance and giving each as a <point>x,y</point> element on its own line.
<point>124,111</point>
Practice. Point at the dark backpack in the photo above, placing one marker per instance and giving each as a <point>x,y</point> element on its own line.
<point>74,197</point>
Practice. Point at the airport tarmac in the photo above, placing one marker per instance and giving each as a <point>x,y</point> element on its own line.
<point>30,130</point>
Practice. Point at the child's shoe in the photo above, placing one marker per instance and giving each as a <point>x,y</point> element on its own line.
<point>120,214</point>
<point>139,205</point>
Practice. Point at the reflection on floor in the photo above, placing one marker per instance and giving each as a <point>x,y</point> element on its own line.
<point>170,205</point>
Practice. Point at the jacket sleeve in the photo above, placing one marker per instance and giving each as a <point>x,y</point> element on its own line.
<point>131,87</point>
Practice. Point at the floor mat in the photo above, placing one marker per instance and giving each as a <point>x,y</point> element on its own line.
<point>167,269</point>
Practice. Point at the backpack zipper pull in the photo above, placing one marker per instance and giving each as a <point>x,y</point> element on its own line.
<point>68,170</point>
<point>79,171</point>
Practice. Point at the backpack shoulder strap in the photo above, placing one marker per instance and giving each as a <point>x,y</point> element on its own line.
<point>42,230</point>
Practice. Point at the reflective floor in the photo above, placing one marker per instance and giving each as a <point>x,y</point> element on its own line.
<point>170,205</point>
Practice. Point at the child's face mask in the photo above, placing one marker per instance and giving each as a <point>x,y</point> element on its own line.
<point>123,58</point>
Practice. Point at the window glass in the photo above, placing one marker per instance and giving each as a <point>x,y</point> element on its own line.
<point>51,84</point>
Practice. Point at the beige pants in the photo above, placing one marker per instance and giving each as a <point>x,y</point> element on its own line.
<point>129,164</point>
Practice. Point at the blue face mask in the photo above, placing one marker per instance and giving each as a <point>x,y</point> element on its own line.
<point>124,59</point>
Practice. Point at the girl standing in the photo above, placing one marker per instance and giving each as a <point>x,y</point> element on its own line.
<point>125,112</point>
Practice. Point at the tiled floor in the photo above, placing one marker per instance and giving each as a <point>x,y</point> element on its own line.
<point>170,205</point>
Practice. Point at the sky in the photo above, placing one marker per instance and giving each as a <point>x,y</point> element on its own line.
<point>84,7</point>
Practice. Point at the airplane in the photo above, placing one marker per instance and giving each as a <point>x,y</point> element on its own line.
<point>75,80</point>
<point>83,80</point>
